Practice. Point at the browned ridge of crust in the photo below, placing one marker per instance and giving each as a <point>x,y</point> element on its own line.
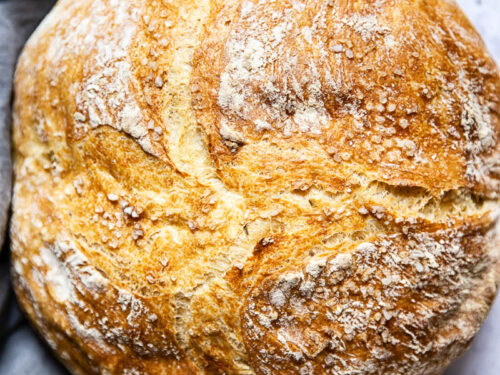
<point>256,187</point>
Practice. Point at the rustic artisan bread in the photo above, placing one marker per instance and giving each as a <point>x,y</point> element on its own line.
<point>259,187</point>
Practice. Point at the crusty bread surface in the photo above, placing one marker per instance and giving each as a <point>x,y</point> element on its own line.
<point>257,187</point>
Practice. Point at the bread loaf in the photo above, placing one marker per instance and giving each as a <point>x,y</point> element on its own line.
<point>256,187</point>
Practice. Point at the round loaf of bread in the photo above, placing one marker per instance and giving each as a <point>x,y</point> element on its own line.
<point>264,187</point>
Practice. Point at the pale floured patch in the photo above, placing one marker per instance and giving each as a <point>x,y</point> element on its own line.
<point>251,52</point>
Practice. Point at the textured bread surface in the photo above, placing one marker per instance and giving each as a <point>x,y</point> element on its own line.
<point>256,187</point>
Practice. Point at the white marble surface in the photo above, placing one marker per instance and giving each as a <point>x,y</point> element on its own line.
<point>485,15</point>
<point>484,356</point>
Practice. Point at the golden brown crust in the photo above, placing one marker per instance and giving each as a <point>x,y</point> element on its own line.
<point>256,187</point>
<point>384,88</point>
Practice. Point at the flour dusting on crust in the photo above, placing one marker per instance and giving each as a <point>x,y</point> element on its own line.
<point>247,89</point>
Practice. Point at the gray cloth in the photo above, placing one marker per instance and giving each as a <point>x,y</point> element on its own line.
<point>21,351</point>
